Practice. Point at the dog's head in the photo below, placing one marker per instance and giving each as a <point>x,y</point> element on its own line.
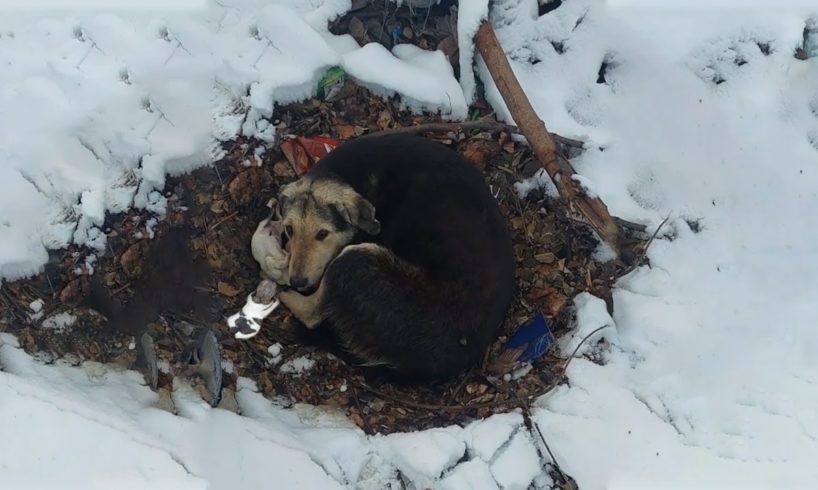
<point>320,218</point>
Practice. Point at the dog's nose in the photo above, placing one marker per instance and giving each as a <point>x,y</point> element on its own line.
<point>298,282</point>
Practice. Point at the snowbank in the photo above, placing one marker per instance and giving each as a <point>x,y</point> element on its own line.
<point>100,104</point>
<point>95,427</point>
<point>706,117</point>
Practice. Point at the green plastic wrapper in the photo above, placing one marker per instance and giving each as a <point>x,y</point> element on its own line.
<point>331,83</point>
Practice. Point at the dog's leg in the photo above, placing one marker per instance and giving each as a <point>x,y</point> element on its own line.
<point>306,308</point>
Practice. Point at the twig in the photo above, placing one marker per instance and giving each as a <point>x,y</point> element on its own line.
<point>652,237</point>
<point>226,218</point>
<point>512,402</point>
<point>630,224</point>
<point>576,349</point>
<point>461,384</point>
<point>369,428</point>
<point>529,422</point>
<point>471,126</point>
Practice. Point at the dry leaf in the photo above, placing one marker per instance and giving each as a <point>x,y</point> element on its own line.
<point>217,207</point>
<point>71,291</point>
<point>297,156</point>
<point>476,151</point>
<point>302,153</point>
<point>131,260</point>
<point>545,258</point>
<point>347,131</point>
<point>282,169</point>
<point>384,120</point>
<point>239,187</point>
<point>227,290</point>
<point>357,30</point>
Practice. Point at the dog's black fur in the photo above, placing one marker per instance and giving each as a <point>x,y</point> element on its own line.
<point>433,305</point>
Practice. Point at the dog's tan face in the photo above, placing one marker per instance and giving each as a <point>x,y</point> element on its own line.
<point>320,218</point>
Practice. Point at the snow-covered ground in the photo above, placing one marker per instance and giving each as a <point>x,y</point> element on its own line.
<point>711,380</point>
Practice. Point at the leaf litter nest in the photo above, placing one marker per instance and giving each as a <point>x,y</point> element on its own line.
<point>218,208</point>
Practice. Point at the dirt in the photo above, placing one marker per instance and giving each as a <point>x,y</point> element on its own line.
<point>197,270</point>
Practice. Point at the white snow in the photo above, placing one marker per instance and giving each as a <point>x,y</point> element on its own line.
<point>423,456</point>
<point>432,79</point>
<point>36,305</point>
<point>709,379</point>
<point>518,464</point>
<point>94,408</point>
<point>471,475</point>
<point>484,440</point>
<point>59,322</point>
<point>274,350</point>
<point>297,366</point>
<point>470,14</point>
<point>708,371</point>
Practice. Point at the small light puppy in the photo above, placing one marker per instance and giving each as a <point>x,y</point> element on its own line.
<point>268,252</point>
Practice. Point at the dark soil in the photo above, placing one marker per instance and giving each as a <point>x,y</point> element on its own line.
<point>198,270</point>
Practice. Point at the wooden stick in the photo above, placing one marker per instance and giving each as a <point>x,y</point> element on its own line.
<point>542,144</point>
<point>471,125</point>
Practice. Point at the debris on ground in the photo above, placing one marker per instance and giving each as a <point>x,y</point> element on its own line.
<point>219,208</point>
<point>138,305</point>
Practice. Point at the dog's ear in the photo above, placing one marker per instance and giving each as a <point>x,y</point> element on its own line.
<point>360,213</point>
<point>285,193</point>
<point>275,210</point>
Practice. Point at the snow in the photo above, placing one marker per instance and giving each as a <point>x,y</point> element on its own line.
<point>484,440</point>
<point>707,379</point>
<point>36,305</point>
<point>517,466</point>
<point>274,349</point>
<point>92,408</point>
<point>59,322</point>
<point>592,320</point>
<point>423,456</point>
<point>707,371</point>
<point>297,366</point>
<point>470,15</point>
<point>471,475</point>
<point>433,84</point>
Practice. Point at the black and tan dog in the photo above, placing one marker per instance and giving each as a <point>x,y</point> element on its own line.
<point>397,245</point>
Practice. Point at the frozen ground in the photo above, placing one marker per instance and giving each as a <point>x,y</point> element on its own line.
<point>703,113</point>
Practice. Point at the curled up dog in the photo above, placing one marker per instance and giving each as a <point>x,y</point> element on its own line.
<point>396,244</point>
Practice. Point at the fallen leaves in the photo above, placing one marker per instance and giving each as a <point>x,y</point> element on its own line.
<point>385,120</point>
<point>247,184</point>
<point>553,260</point>
<point>545,258</point>
<point>346,130</point>
<point>131,259</point>
<point>551,299</point>
<point>303,153</point>
<point>226,289</point>
<point>477,151</point>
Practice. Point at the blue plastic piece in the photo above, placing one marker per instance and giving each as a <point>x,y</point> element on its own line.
<point>533,339</point>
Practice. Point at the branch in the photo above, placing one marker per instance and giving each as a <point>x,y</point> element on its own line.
<point>472,126</point>
<point>541,143</point>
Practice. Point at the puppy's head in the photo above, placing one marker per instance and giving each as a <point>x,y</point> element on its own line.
<point>320,217</point>
<point>268,251</point>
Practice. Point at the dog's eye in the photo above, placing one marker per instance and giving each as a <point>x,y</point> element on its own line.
<point>321,235</point>
<point>288,230</point>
